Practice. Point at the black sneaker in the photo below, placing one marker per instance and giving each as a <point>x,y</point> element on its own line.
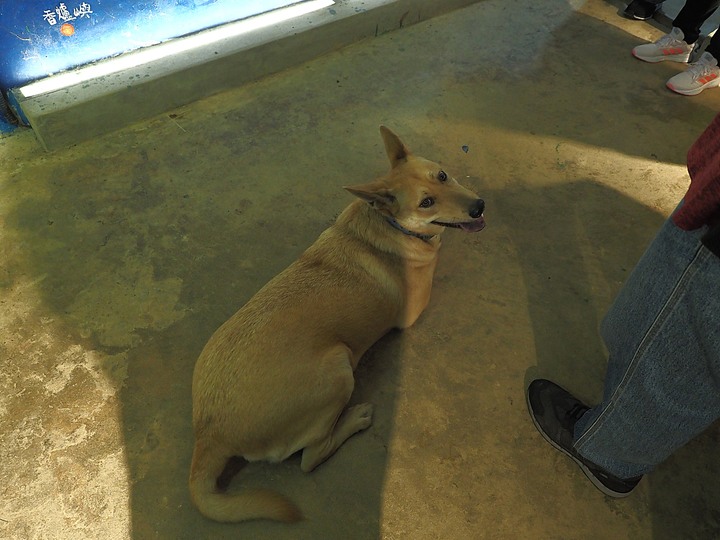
<point>555,411</point>
<point>641,10</point>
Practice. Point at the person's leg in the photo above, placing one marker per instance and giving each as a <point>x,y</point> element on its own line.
<point>692,16</point>
<point>714,46</point>
<point>678,44</point>
<point>663,380</point>
<point>662,385</point>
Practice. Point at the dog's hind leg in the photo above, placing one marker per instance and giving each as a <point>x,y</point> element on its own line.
<point>337,423</point>
<point>351,421</point>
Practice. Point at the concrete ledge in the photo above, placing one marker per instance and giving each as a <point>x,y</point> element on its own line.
<point>154,80</point>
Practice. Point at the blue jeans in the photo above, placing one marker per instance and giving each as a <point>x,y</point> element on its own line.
<point>662,386</point>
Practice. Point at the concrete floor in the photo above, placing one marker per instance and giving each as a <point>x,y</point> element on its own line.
<point>119,258</point>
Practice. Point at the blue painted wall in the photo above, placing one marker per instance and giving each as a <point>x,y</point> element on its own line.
<point>42,37</point>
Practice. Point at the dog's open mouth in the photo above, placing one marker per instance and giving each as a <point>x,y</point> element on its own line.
<point>468,226</point>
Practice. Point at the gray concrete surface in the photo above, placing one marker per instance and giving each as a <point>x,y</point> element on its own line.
<point>119,257</point>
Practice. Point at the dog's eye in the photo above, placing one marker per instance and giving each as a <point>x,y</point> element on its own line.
<point>427,202</point>
<point>442,176</point>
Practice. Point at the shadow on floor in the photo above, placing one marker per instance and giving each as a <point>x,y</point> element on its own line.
<point>143,270</point>
<point>553,72</point>
<point>593,236</point>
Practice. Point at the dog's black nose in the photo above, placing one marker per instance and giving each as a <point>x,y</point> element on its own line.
<point>477,209</point>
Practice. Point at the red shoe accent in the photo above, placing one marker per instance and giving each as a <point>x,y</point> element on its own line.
<point>673,50</point>
<point>707,78</point>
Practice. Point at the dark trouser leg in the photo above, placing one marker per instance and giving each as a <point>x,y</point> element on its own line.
<point>714,46</point>
<point>692,16</point>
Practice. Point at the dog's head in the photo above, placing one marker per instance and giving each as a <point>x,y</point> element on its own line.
<point>419,195</point>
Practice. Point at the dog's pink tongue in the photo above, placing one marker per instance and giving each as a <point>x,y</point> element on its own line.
<point>474,226</point>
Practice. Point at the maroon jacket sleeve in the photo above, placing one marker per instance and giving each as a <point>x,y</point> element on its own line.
<point>702,200</point>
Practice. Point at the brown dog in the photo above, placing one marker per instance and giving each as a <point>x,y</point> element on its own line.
<point>277,376</point>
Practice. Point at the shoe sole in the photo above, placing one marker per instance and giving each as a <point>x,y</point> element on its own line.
<point>587,472</point>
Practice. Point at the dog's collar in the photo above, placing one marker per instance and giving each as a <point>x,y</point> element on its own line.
<point>394,223</point>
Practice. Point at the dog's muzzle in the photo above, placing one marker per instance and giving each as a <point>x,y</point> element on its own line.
<point>476,224</point>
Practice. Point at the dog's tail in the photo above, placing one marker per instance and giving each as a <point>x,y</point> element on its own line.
<point>208,463</point>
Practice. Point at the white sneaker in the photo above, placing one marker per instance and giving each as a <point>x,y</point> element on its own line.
<point>702,74</point>
<point>669,47</point>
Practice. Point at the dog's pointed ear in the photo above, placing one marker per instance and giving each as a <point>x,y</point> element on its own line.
<point>374,193</point>
<point>395,148</point>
